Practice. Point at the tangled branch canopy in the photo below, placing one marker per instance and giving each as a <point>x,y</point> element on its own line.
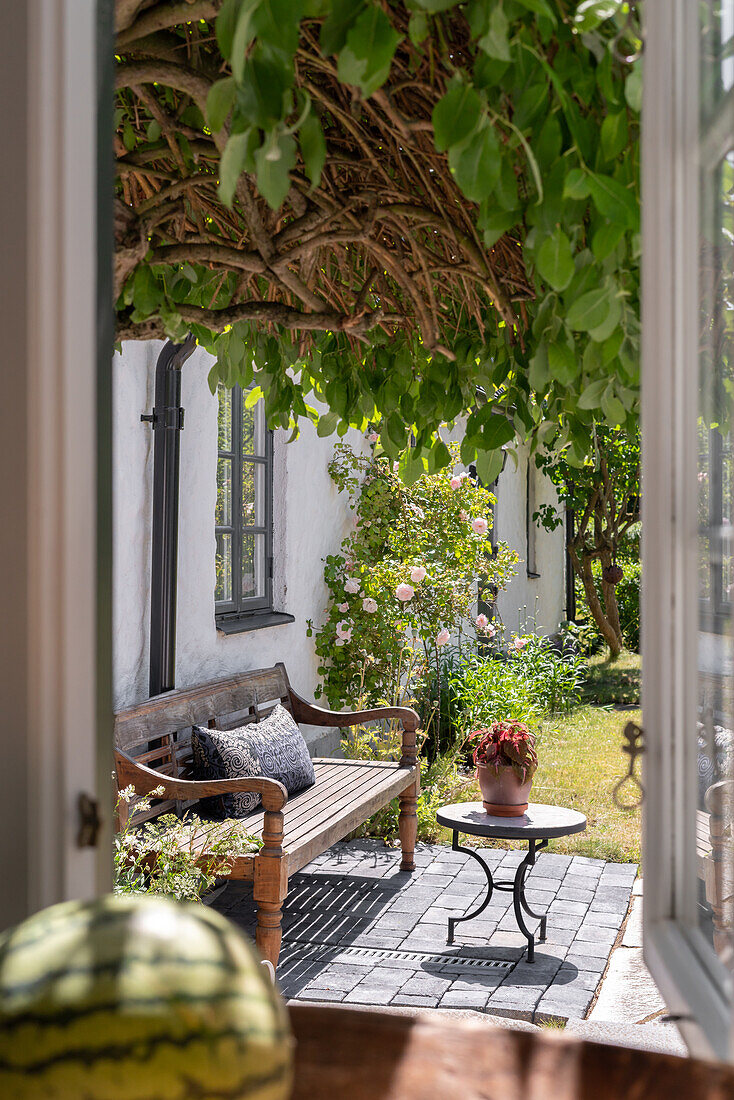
<point>387,204</point>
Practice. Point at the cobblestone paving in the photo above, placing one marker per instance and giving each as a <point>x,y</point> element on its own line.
<point>357,930</point>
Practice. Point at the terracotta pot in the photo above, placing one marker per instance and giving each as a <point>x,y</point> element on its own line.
<point>503,793</point>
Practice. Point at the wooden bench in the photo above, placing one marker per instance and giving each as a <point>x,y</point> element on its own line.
<point>153,749</point>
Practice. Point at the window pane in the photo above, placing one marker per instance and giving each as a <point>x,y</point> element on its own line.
<point>715,728</point>
<point>253,429</point>
<point>224,433</point>
<point>223,588</point>
<point>253,566</point>
<point>717,51</point>
<point>223,514</point>
<point>253,494</point>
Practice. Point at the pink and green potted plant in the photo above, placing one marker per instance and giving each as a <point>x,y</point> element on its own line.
<point>506,762</point>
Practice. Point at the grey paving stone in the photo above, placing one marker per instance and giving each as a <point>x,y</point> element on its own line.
<point>579,979</point>
<point>436,916</point>
<point>407,1001</point>
<point>558,919</point>
<point>364,994</point>
<point>553,860</point>
<point>459,901</point>
<point>594,919</point>
<point>426,985</point>
<point>317,993</point>
<point>588,861</point>
<point>397,921</point>
<point>586,962</point>
<point>376,939</point>
<point>508,939</point>
<point>597,934</point>
<point>540,882</point>
<point>563,905</point>
<point>438,882</point>
<point>561,936</point>
<point>464,998</point>
<point>574,894</point>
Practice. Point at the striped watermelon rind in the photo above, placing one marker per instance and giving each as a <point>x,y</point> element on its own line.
<point>138,998</point>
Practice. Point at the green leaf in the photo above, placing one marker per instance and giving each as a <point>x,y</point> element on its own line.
<point>590,13</point>
<point>576,184</point>
<point>128,136</point>
<point>313,147</point>
<point>342,17</point>
<point>370,48</point>
<point>232,163</point>
<point>613,201</point>
<point>542,7</point>
<point>226,24</point>
<point>243,34</point>
<point>433,6</point>
<point>261,94</point>
<point>563,363</point>
<point>589,311</point>
<point>456,116</point>
<point>418,28</point>
<point>496,431</point>
<point>539,372</point>
<point>614,134</point>
<point>612,407</point>
<point>147,293</point>
<point>606,239</point>
<point>555,260</point>
<point>153,131</point>
<point>590,397</point>
<point>493,223</point>
<point>476,163</point>
<point>489,465</point>
<point>219,102</point>
<point>496,41</point>
<point>633,88</point>
<point>603,331</point>
<point>327,424</point>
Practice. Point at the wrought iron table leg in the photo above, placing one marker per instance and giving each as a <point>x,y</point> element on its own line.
<point>519,900</point>
<point>453,921</point>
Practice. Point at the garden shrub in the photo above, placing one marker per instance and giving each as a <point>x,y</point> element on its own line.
<point>405,580</point>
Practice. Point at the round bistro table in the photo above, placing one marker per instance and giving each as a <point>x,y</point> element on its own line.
<point>537,826</point>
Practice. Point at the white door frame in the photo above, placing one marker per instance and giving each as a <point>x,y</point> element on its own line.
<point>55,697</point>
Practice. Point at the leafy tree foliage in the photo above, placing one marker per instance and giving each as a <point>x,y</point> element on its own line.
<point>381,207</point>
<point>604,494</point>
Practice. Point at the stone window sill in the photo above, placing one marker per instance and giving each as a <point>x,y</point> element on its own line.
<point>255,620</point>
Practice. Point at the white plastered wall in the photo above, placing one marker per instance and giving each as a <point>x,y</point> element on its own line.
<point>310,520</point>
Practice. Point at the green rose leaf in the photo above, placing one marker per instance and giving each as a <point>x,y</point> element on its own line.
<point>576,184</point>
<point>456,116</point>
<point>555,260</point>
<point>589,311</point>
<point>591,395</point>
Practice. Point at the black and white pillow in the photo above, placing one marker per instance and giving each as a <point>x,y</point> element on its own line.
<point>273,749</point>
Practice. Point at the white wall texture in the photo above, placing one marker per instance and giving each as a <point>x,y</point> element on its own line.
<point>310,521</point>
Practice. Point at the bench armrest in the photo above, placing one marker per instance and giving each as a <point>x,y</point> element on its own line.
<point>317,716</point>
<point>144,780</point>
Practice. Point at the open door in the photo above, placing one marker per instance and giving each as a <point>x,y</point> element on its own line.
<point>688,486</point>
<point>55,428</point>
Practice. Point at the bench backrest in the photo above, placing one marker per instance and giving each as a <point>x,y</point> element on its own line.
<point>158,731</point>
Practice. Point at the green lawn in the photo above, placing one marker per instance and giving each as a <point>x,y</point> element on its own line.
<point>579,763</point>
<point>613,681</point>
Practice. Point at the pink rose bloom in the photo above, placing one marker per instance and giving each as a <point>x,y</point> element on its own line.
<point>520,643</point>
<point>417,574</point>
<point>372,437</point>
<point>442,637</point>
<point>351,587</point>
<point>479,525</point>
<point>482,622</point>
<point>491,631</point>
<point>369,605</point>
<point>464,515</point>
<point>455,482</point>
<point>405,592</point>
<point>349,566</point>
<point>343,607</point>
<point>343,630</point>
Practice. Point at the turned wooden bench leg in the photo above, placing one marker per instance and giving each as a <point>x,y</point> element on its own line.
<point>408,825</point>
<point>270,887</point>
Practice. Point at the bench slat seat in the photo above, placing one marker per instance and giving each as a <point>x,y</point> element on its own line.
<point>154,750</point>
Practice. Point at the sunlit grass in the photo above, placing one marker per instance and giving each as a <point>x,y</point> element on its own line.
<point>614,681</point>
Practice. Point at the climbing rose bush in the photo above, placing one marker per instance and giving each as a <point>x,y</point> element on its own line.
<point>405,581</point>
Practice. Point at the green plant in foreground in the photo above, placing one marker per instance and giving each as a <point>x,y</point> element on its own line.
<point>163,856</point>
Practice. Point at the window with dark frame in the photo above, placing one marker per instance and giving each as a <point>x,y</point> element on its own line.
<point>243,595</point>
<point>531,527</point>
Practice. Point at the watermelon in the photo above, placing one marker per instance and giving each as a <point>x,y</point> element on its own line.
<point>138,998</point>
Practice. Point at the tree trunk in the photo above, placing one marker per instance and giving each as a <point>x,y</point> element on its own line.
<point>609,595</point>
<point>582,568</point>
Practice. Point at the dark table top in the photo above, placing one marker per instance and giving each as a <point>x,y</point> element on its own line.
<point>537,823</point>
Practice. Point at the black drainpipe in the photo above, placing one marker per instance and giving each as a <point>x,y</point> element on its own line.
<point>570,575</point>
<point>167,419</point>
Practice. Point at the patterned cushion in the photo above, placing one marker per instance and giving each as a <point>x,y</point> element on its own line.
<point>273,748</point>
